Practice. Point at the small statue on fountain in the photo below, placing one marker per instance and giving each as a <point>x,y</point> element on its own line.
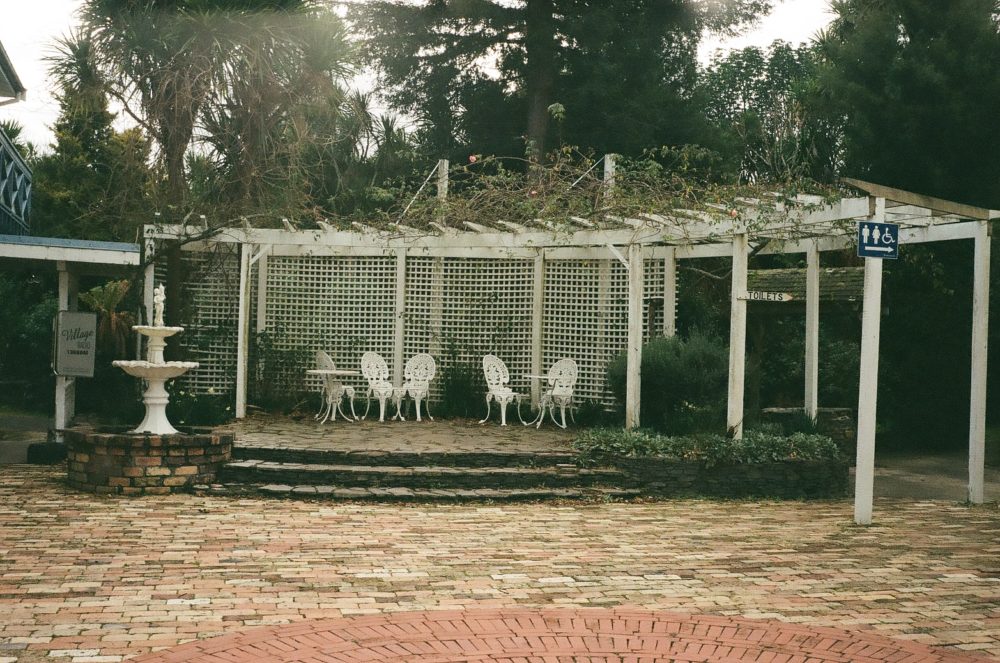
<point>159,297</point>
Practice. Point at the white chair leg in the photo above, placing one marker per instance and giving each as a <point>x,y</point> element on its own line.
<point>517,399</point>
<point>416,399</point>
<point>322,404</point>
<point>350,399</point>
<point>488,400</point>
<point>503,412</point>
<point>562,411</point>
<point>368,403</point>
<point>427,408</point>
<point>381,409</point>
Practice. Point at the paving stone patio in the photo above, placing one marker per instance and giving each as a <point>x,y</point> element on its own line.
<point>368,436</point>
<point>95,579</point>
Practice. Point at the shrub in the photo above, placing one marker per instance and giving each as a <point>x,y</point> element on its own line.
<point>683,383</point>
<point>463,388</point>
<point>601,445</point>
<point>190,409</point>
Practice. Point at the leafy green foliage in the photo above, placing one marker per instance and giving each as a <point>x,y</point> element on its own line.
<point>601,445</point>
<point>189,409</point>
<point>917,85</point>
<point>26,314</point>
<point>276,364</point>
<point>113,326</point>
<point>483,75</point>
<point>768,100</point>
<point>683,385</point>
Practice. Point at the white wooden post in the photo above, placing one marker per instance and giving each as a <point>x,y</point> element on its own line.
<point>442,180</point>
<point>261,323</point>
<point>670,293</point>
<point>980,336</point>
<point>864,475</point>
<point>537,311</point>
<point>812,332</point>
<point>148,285</point>
<point>737,336</point>
<point>609,175</point>
<point>634,356</point>
<point>66,386</point>
<point>243,332</point>
<point>437,308</point>
<point>399,319</point>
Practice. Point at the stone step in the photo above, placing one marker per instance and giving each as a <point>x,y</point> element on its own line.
<point>401,494</point>
<point>394,476</point>
<point>486,458</point>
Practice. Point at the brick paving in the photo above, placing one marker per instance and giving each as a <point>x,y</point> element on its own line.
<point>590,634</point>
<point>93,579</point>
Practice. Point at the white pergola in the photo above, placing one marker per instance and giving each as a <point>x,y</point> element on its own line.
<point>807,225</point>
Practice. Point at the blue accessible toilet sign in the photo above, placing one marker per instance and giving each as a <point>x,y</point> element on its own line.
<point>878,240</point>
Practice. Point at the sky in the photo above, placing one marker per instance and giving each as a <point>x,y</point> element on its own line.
<point>29,28</point>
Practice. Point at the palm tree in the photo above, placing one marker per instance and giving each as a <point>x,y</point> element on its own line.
<point>242,68</point>
<point>113,326</point>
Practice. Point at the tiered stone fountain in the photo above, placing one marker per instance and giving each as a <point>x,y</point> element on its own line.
<point>154,458</point>
<point>155,371</point>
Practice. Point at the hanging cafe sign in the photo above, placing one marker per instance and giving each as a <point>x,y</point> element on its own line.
<point>75,344</point>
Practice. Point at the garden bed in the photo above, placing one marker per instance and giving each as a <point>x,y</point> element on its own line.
<point>759,465</point>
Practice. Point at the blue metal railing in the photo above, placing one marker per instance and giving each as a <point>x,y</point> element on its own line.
<point>15,190</point>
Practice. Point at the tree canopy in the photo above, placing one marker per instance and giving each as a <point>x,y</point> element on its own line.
<point>918,85</point>
<point>486,73</point>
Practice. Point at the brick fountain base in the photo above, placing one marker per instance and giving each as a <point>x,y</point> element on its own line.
<point>124,463</point>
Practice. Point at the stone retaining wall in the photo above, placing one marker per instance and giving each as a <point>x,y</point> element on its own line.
<point>140,464</point>
<point>788,480</point>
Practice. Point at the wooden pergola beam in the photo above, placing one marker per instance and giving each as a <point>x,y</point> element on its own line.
<point>918,199</point>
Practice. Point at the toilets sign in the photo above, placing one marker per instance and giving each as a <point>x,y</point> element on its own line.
<point>878,240</point>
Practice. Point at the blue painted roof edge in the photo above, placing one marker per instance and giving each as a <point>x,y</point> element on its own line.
<point>63,243</point>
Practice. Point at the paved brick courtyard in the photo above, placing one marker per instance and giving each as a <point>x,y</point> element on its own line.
<point>91,579</point>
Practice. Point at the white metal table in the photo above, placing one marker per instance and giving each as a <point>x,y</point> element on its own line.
<point>331,404</point>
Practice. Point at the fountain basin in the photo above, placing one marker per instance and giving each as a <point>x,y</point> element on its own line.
<point>157,332</point>
<point>150,371</point>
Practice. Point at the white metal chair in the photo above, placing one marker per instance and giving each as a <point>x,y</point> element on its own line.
<point>561,379</point>
<point>376,371</point>
<point>497,377</point>
<point>333,390</point>
<point>417,375</point>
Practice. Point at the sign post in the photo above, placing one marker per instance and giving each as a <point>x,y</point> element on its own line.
<point>76,344</point>
<point>877,241</point>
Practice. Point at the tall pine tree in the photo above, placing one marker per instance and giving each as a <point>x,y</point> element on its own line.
<point>485,73</point>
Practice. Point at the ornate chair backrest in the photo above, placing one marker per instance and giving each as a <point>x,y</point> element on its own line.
<point>495,372</point>
<point>325,362</point>
<point>562,377</point>
<point>420,368</point>
<point>374,368</point>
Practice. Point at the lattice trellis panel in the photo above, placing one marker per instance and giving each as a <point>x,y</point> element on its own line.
<point>586,317</point>
<point>459,309</point>
<point>343,305</point>
<point>211,290</point>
